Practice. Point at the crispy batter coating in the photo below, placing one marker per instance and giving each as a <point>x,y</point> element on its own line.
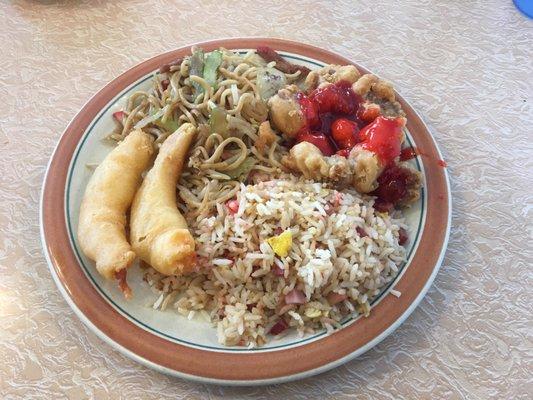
<point>380,92</point>
<point>330,74</point>
<point>159,233</point>
<point>285,112</point>
<point>265,137</point>
<point>364,84</point>
<point>367,169</point>
<point>108,196</point>
<point>360,170</point>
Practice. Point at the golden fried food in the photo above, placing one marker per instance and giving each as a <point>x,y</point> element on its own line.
<point>360,170</point>
<point>285,112</point>
<point>331,74</point>
<point>108,196</point>
<point>367,169</point>
<point>265,137</point>
<point>158,231</point>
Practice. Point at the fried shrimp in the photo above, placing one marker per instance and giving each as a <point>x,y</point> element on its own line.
<point>109,194</point>
<point>159,233</point>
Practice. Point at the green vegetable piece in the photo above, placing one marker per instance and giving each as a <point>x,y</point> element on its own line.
<point>211,64</point>
<point>169,125</point>
<point>218,122</point>
<point>197,68</point>
<point>242,170</point>
<point>156,117</point>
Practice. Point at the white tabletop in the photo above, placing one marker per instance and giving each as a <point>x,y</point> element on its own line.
<point>465,66</point>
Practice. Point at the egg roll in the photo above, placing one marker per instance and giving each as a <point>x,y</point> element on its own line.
<point>158,232</point>
<point>107,198</point>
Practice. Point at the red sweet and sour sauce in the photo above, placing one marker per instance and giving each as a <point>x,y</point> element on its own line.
<point>332,124</point>
<point>309,110</point>
<point>335,105</point>
<point>333,116</point>
<point>338,98</point>
<point>383,137</point>
<point>409,153</point>
<point>319,140</point>
<point>392,184</point>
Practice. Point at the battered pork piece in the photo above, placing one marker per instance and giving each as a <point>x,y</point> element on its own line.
<point>331,74</point>
<point>378,92</point>
<point>360,170</point>
<point>340,89</point>
<point>285,112</point>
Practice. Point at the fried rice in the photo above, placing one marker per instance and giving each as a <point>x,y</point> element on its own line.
<point>343,253</point>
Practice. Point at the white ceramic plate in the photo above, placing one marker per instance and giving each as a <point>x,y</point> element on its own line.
<point>121,322</point>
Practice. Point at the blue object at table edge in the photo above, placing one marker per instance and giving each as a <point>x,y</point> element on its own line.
<point>525,7</point>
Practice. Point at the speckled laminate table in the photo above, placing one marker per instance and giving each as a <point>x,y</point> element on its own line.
<point>465,65</point>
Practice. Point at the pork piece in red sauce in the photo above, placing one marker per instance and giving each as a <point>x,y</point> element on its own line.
<point>342,138</point>
<point>398,185</point>
<point>293,112</point>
